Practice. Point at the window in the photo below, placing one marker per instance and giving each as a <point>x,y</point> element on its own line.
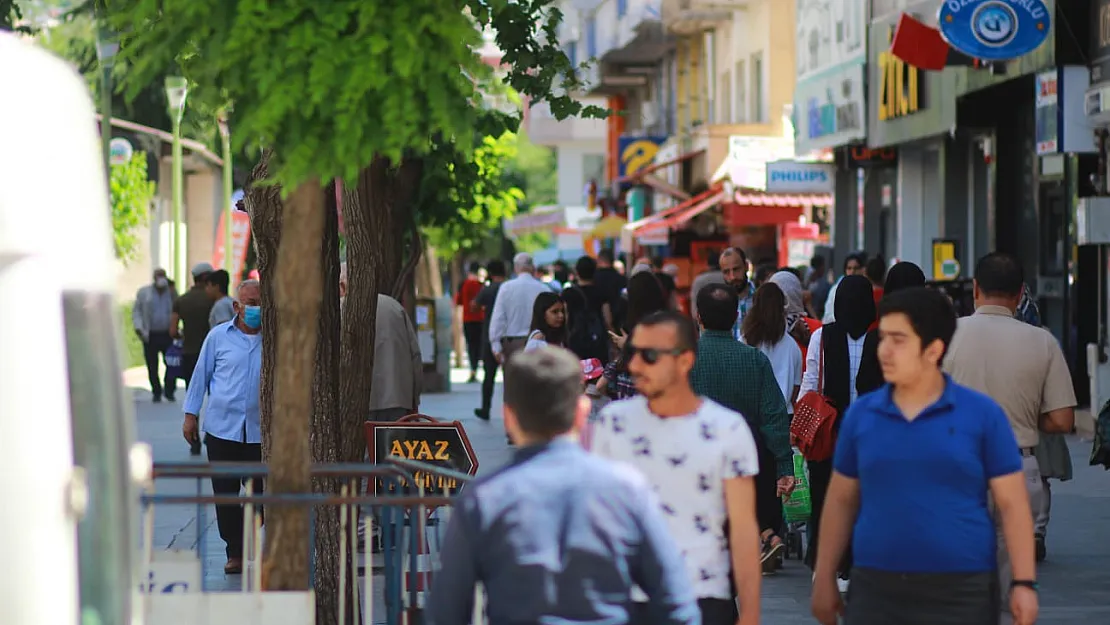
<point>709,105</point>
<point>591,38</point>
<point>572,53</point>
<point>741,95</point>
<point>622,7</point>
<point>758,114</point>
<point>725,92</point>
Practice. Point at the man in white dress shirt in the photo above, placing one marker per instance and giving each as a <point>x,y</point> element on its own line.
<point>512,312</point>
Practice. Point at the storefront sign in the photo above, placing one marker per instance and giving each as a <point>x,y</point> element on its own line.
<point>945,263</point>
<point>861,156</point>
<point>119,151</point>
<point>440,444</point>
<point>829,97</point>
<point>240,241</point>
<point>795,177</point>
<point>899,85</point>
<point>994,30</point>
<point>637,153</point>
<point>1046,111</point>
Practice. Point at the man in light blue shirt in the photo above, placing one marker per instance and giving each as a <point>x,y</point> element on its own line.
<point>229,371</point>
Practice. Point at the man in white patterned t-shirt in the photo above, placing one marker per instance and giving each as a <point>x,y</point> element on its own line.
<point>700,458</point>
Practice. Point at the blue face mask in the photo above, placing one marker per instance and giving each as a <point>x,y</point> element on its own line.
<point>252,317</point>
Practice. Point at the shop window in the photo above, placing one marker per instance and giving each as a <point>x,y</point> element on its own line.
<point>758,108</point>
<point>741,96</point>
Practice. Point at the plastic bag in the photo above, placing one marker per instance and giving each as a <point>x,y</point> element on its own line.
<point>173,361</point>
<point>797,507</point>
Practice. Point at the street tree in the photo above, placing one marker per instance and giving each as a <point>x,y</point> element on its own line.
<point>352,90</point>
<point>131,194</point>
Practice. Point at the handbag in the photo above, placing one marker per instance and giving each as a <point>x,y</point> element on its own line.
<point>812,430</point>
<point>797,507</point>
<point>173,360</point>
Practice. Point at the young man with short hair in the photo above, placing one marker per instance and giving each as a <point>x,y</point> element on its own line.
<point>219,283</point>
<point>702,461</point>
<point>557,535</point>
<point>915,462</point>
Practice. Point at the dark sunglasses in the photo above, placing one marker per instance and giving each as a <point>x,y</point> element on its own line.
<point>651,355</point>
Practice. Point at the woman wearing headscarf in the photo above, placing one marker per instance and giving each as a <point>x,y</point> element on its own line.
<point>903,275</point>
<point>839,344</point>
<point>798,323</point>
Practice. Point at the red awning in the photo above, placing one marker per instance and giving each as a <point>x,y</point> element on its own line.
<point>707,201</point>
<point>752,207</point>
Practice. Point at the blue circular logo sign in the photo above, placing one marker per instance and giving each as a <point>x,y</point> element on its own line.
<point>994,30</point>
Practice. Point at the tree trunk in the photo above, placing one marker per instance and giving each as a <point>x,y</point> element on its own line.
<point>298,292</point>
<point>326,429</point>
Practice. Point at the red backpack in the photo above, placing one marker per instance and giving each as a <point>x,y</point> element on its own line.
<point>812,429</point>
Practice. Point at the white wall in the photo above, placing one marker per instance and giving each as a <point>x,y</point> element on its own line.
<point>571,162</point>
<point>920,198</point>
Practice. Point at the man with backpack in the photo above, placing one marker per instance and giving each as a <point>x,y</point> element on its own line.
<point>590,314</point>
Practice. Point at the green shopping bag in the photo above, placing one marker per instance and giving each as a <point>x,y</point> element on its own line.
<point>796,508</point>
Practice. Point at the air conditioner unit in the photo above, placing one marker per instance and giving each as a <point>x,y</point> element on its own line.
<point>649,113</point>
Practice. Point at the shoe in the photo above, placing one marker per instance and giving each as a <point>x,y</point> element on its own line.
<point>473,379</point>
<point>157,399</point>
<point>481,414</point>
<point>770,554</point>
<point>170,397</point>
<point>1038,543</point>
<point>779,561</point>
<point>234,566</point>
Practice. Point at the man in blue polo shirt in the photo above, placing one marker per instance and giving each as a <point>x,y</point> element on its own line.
<point>915,462</point>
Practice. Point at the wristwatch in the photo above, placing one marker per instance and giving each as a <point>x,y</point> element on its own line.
<point>1025,583</point>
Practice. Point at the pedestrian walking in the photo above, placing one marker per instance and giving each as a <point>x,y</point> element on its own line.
<point>558,535</point>
<point>832,366</point>
<point>799,324</point>
<point>701,459</point>
<point>229,372</point>
<point>903,275</point>
<point>711,275</point>
<point>1018,365</point>
<point>486,300</point>
<point>645,297</point>
<point>549,322</point>
<point>191,310</point>
<point>915,462</point>
<point>398,375</point>
<point>150,317</point>
<point>223,307</point>
<point>734,267</point>
<point>853,265</point>
<point>512,313</point>
<point>741,378</point>
<point>473,319</point>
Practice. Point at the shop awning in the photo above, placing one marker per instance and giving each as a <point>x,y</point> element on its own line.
<point>752,207</point>
<point>663,186</point>
<point>677,220</point>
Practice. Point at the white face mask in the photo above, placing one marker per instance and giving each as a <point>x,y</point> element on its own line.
<point>161,282</point>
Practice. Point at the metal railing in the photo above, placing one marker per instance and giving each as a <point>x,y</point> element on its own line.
<point>401,505</point>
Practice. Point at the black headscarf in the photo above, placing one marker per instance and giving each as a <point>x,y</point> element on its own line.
<point>855,312</point>
<point>870,377</point>
<point>903,275</point>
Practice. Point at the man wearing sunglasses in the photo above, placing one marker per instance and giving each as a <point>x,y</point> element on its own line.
<point>701,459</point>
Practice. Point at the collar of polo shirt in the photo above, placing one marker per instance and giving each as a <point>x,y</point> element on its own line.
<point>944,403</point>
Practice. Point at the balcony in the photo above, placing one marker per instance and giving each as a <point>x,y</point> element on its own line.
<point>544,129</point>
<point>690,17</point>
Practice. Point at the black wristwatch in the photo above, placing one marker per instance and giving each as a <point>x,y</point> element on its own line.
<point>1025,583</point>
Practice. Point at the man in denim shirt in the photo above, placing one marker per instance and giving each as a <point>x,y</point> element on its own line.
<point>557,535</point>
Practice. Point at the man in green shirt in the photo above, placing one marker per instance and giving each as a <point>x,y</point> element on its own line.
<point>740,377</point>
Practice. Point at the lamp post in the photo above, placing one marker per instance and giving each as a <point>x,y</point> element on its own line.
<point>106,49</point>
<point>225,135</point>
<point>176,89</point>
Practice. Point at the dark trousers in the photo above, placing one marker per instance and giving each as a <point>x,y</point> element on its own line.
<point>490,366</point>
<point>768,505</point>
<point>155,346</point>
<point>886,598</point>
<point>229,518</point>
<point>188,365</point>
<point>472,332</point>
<point>820,473</point>
<point>713,612</point>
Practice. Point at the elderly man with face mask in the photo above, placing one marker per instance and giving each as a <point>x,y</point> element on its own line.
<point>151,317</point>
<point>229,371</point>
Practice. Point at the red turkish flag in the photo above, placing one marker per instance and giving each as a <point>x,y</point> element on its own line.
<point>918,44</point>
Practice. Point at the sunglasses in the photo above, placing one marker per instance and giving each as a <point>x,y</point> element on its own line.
<point>651,355</point>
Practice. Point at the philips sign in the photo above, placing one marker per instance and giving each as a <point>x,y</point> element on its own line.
<point>795,177</point>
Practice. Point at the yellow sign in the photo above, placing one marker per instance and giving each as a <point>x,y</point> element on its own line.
<point>945,265</point>
<point>637,154</point>
<point>898,85</point>
<point>420,450</point>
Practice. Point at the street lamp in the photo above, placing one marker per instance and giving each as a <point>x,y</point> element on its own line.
<point>106,49</point>
<point>225,135</point>
<point>176,89</point>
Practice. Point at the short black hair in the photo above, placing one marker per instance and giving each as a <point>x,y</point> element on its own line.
<point>585,268</point>
<point>859,257</point>
<point>876,270</point>
<point>684,327</point>
<point>496,269</point>
<point>999,273</point>
<point>817,262</point>
<point>930,313</point>
<point>657,262</point>
<point>763,272</point>
<point>606,255</point>
<point>220,279</point>
<point>475,267</point>
<point>542,387</point>
<point>717,306</point>
<point>713,259</point>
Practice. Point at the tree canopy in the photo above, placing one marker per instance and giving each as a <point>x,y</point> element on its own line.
<point>131,194</point>
<point>329,86</point>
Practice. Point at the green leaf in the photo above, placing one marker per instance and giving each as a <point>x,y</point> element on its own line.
<point>131,195</point>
